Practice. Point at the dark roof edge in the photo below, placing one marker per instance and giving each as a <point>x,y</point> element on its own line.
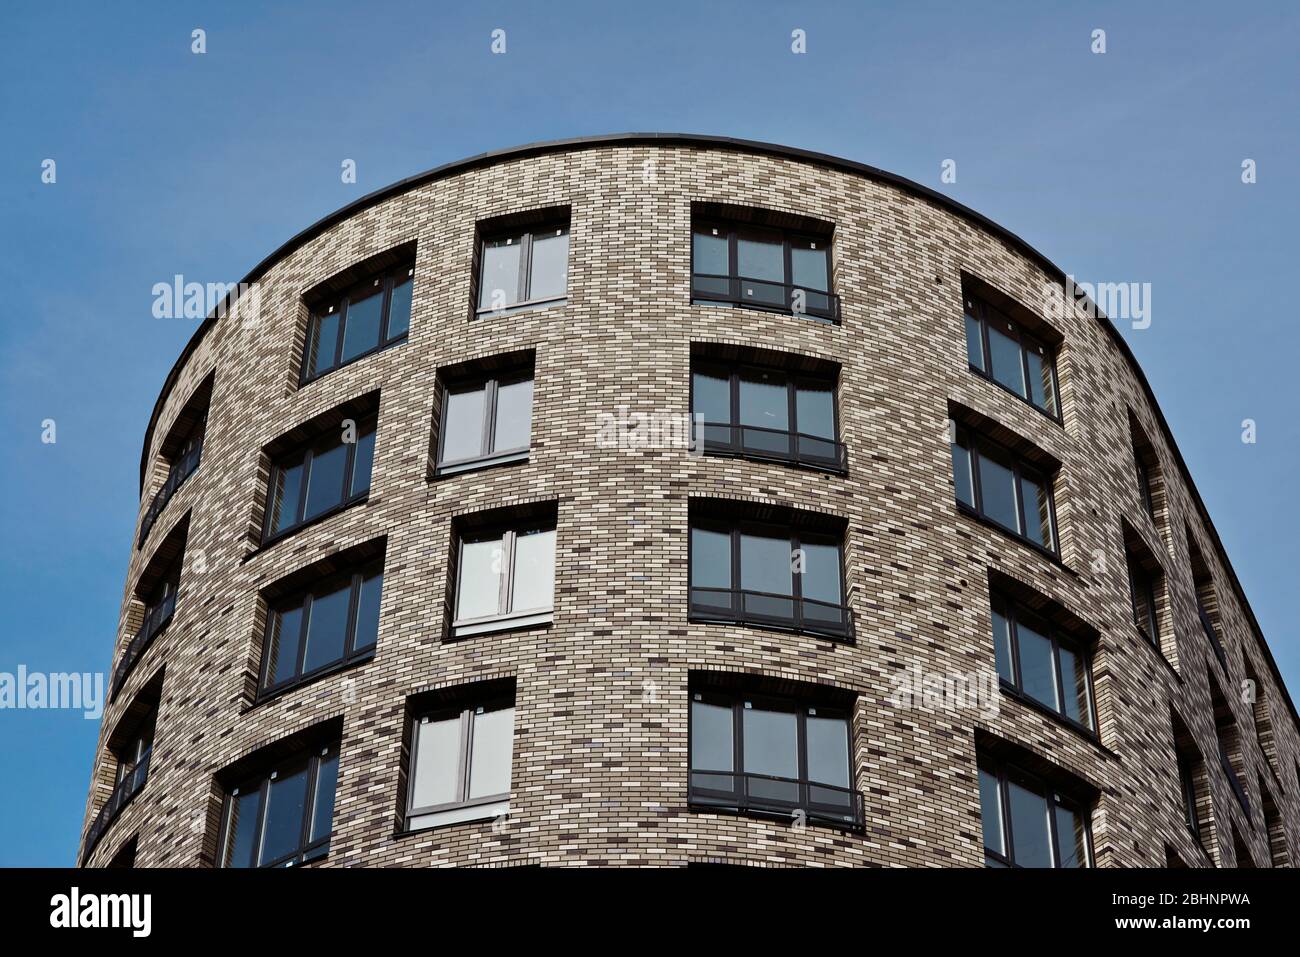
<point>744,146</point>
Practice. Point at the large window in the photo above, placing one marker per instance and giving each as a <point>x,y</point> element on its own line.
<point>1028,823</point>
<point>772,755</point>
<point>1191,780</point>
<point>486,420</point>
<point>158,600</point>
<point>505,578</point>
<point>523,267</point>
<point>334,624</point>
<point>182,457</point>
<point>372,315</point>
<point>282,816</point>
<point>320,478</point>
<point>1000,349</point>
<point>762,267</point>
<point>1003,488</point>
<point>1144,589</point>
<point>460,763</point>
<point>766,413</point>
<point>768,575</point>
<point>1039,660</point>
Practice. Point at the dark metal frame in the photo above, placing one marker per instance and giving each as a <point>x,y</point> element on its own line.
<point>365,425</point>
<point>1212,633</point>
<point>525,280</point>
<point>735,610</point>
<point>979,446</point>
<point>1187,785</point>
<point>510,617</point>
<point>184,464</point>
<point>468,716</point>
<point>307,850</point>
<point>736,446</point>
<point>1142,582</point>
<point>1005,772</point>
<point>1144,478</point>
<point>979,310</point>
<point>1230,772</point>
<point>156,618</point>
<point>488,454</point>
<point>130,781</point>
<point>305,600</point>
<point>390,278</point>
<point>740,798</point>
<point>1014,613</point>
<point>735,297</point>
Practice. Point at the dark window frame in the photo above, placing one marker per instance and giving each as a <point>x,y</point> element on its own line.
<point>1005,772</point>
<point>366,424</point>
<point>307,850</point>
<point>1187,786</point>
<point>1144,583</point>
<point>975,444</point>
<point>510,619</point>
<point>488,455</point>
<point>391,278</point>
<point>1014,611</point>
<point>979,308</point>
<point>523,288</point>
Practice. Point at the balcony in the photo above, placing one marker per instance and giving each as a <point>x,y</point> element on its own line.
<point>182,469</point>
<point>774,445</point>
<point>765,294</point>
<point>128,786</point>
<point>153,624</point>
<point>764,609</point>
<point>768,796</point>
<point>1233,781</point>
<point>1212,633</point>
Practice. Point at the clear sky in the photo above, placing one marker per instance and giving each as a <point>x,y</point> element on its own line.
<point>1123,166</point>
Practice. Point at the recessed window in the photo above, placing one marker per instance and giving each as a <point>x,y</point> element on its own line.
<point>1147,470</point>
<point>1207,601</point>
<point>770,755</point>
<point>179,453</point>
<point>1144,588</point>
<point>321,477</point>
<point>1192,783</point>
<point>523,267</point>
<point>767,413</point>
<point>486,420</point>
<point>372,315</point>
<point>155,598</point>
<point>1000,349</point>
<point>1007,490</point>
<point>131,749</point>
<point>1228,736</point>
<point>763,264</point>
<point>1041,661</point>
<point>333,624</point>
<point>772,575</point>
<point>505,578</point>
<point>1028,823</point>
<point>460,763</point>
<point>283,816</point>
<point>133,754</point>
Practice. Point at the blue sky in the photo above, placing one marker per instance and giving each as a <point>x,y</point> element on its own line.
<point>1123,166</point>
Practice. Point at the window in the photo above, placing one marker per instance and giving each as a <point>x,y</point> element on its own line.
<point>998,485</point>
<point>1207,601</point>
<point>770,755</point>
<point>523,267</point>
<point>460,763</point>
<point>1144,588</point>
<point>320,478</point>
<point>1028,823</point>
<point>766,413</point>
<point>1041,661</point>
<point>1147,469</point>
<point>156,597</point>
<point>1192,782</point>
<point>485,421</point>
<point>283,816</point>
<point>131,749</point>
<point>133,754</point>
<point>1000,349</point>
<point>1278,853</point>
<point>770,575</point>
<point>180,453</point>
<point>505,578</point>
<point>1229,740</point>
<point>372,315</point>
<point>336,623</point>
<point>762,267</point>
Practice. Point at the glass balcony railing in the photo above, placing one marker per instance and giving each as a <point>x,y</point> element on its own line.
<point>153,624</point>
<point>739,606</point>
<point>128,786</point>
<point>182,469</point>
<point>757,442</point>
<point>779,797</point>
<point>765,294</point>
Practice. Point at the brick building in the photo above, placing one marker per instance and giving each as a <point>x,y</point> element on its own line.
<point>659,500</point>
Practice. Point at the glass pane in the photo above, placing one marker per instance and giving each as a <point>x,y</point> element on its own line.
<point>285,806</point>
<point>463,425</point>
<point>815,411</point>
<point>514,419</point>
<point>765,564</point>
<point>1002,645</point>
<point>499,285</point>
<point>828,751</point>
<point>325,479</point>
<point>322,816</point>
<point>711,744</point>
<point>710,559</point>
<point>550,265</point>
<point>437,763</point>
<point>399,308</point>
<point>327,628</point>
<point>479,585</point>
<point>242,829</point>
<point>821,572</point>
<point>1004,354</point>
<point>325,341</point>
<point>760,255</point>
<point>974,342</point>
<point>961,473</point>
<point>1071,832</point>
<point>711,396</point>
<point>367,629</point>
<point>533,585</point>
<point>284,645</point>
<point>1074,679</point>
<point>1041,391</point>
<point>711,255</point>
<point>810,264</point>
<point>991,812</point>
<point>1037,669</point>
<point>287,494</point>
<point>361,330</point>
<point>764,401</point>
<point>1038,512</point>
<point>363,462</point>
<point>490,751</point>
<point>998,491</point>
<point>1029,833</point>
<point>771,740</point>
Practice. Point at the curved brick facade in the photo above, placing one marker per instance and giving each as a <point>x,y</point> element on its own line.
<point>600,748</point>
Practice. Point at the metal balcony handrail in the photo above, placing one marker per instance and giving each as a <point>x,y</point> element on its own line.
<point>181,470</point>
<point>738,608</point>
<point>794,452</point>
<point>128,786</point>
<point>741,296</point>
<point>830,803</point>
<point>149,629</point>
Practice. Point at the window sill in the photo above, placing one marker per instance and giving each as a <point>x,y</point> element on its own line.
<point>529,306</point>
<point>1034,704</point>
<point>1051,556</point>
<point>481,464</point>
<point>268,543</point>
<point>757,307</point>
<point>304,381</point>
<point>981,374</point>
<point>449,817</point>
<point>328,671</point>
<point>472,627</point>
